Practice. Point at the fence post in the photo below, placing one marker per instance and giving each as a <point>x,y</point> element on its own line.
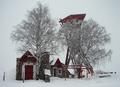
<point>4,76</point>
<point>23,77</point>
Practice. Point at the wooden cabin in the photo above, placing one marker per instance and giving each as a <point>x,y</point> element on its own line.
<point>59,70</point>
<point>26,67</point>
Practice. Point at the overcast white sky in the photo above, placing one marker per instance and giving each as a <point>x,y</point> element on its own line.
<point>105,12</point>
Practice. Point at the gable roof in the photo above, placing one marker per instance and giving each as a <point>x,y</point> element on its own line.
<point>71,17</point>
<point>58,63</point>
<point>27,56</point>
<point>27,53</point>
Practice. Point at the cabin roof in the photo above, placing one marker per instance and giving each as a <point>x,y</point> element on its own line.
<point>58,63</point>
<point>73,16</point>
<point>27,56</point>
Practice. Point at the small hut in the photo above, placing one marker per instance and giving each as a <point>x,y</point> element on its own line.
<point>59,69</point>
<point>26,67</point>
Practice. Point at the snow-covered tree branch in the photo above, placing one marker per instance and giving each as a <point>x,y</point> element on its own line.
<point>37,32</point>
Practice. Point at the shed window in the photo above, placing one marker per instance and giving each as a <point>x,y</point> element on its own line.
<point>60,71</point>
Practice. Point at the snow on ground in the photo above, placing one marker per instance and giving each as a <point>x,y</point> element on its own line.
<point>113,81</point>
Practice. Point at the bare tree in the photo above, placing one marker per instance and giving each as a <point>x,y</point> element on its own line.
<point>85,43</point>
<point>37,32</point>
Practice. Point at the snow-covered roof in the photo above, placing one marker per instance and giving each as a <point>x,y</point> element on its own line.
<point>71,71</point>
<point>54,58</point>
<point>73,16</point>
<point>27,56</point>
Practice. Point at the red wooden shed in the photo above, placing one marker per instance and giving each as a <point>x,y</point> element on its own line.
<point>26,67</point>
<point>58,69</point>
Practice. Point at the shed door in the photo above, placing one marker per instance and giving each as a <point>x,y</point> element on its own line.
<point>54,72</point>
<point>28,72</point>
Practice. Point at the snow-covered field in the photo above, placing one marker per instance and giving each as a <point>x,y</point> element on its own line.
<point>113,81</point>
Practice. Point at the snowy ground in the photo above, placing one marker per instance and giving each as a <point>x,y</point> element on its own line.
<point>113,81</point>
